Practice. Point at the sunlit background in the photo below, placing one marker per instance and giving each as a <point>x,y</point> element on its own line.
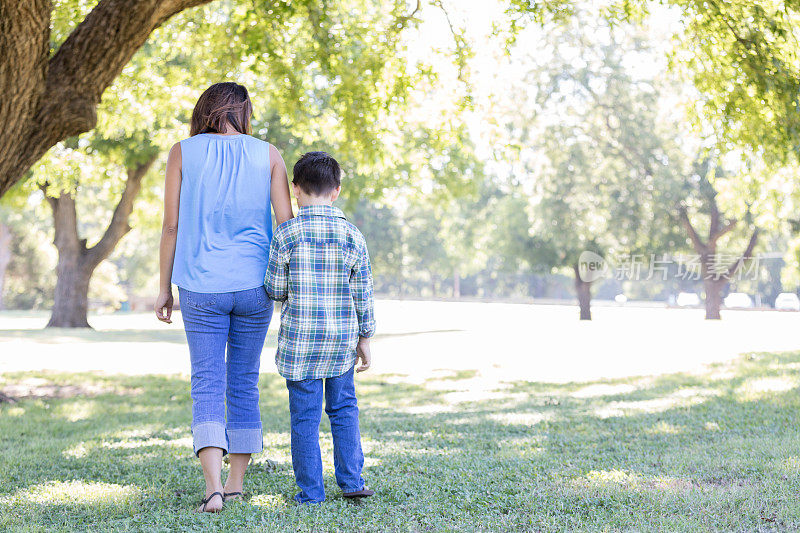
<point>516,167</point>
<point>484,159</point>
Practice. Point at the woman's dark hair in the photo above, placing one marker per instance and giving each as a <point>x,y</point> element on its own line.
<point>221,103</point>
<point>317,173</point>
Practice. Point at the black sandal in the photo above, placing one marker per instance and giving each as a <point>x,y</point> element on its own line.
<point>205,501</point>
<point>227,495</point>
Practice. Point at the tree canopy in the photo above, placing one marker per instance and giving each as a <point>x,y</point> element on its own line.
<point>741,56</point>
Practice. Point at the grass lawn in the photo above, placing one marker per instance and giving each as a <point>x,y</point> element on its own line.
<point>713,451</point>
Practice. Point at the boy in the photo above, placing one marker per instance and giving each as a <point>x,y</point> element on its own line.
<point>319,267</point>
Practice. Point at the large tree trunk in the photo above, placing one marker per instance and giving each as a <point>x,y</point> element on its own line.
<point>71,305</point>
<point>76,262</point>
<point>715,276</point>
<point>583,289</point>
<point>713,300</point>
<point>74,271</point>
<point>47,99</point>
<point>5,257</point>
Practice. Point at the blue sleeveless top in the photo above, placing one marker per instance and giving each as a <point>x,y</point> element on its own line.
<point>224,222</point>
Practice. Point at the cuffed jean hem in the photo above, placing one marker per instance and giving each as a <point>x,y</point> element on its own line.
<point>301,501</point>
<point>359,489</point>
<point>245,441</point>
<point>206,434</point>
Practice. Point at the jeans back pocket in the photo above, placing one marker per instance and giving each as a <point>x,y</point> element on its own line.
<point>199,300</point>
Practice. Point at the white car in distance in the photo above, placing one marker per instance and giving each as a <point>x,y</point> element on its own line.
<point>687,299</point>
<point>787,301</point>
<point>738,300</point>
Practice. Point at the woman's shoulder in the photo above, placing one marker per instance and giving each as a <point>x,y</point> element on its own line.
<point>194,140</point>
<point>275,155</point>
<point>254,140</point>
<point>259,146</point>
<point>203,138</point>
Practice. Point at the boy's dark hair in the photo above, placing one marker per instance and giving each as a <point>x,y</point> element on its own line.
<point>317,173</point>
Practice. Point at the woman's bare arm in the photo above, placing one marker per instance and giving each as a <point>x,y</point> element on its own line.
<point>279,188</point>
<point>169,234</point>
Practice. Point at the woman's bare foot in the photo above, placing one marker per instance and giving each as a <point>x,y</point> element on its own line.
<point>212,503</point>
<point>238,466</point>
<point>232,491</point>
<point>234,495</point>
<point>211,460</point>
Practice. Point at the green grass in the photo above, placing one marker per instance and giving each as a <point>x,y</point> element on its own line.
<point>717,451</point>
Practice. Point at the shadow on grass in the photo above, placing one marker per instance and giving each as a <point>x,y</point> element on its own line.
<point>416,333</point>
<point>62,335</point>
<point>67,335</point>
<point>718,450</point>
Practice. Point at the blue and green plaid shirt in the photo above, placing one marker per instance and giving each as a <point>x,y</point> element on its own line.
<point>319,267</point>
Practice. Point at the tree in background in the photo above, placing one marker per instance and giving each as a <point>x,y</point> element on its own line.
<point>27,281</point>
<point>145,109</point>
<point>5,256</point>
<point>338,62</point>
<point>452,214</point>
<point>517,250</point>
<point>105,170</point>
<point>603,172</point>
<point>742,59</point>
<point>382,229</point>
<point>716,270</point>
<point>77,261</point>
<point>790,276</point>
<point>741,56</point>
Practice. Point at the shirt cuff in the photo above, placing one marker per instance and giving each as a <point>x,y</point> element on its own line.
<point>367,331</point>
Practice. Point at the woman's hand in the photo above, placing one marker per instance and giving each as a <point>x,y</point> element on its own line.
<point>169,233</point>
<point>163,307</point>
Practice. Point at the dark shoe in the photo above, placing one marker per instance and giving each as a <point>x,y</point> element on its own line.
<point>366,492</point>
<point>232,496</point>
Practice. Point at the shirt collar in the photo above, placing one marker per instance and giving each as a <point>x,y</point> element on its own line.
<point>321,210</point>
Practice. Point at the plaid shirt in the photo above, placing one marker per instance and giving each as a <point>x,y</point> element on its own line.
<point>319,267</point>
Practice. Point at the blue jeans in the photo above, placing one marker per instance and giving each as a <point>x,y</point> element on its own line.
<point>305,409</point>
<point>238,320</point>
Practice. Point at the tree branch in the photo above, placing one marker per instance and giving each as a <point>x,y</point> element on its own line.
<point>95,53</point>
<point>62,101</point>
<point>97,50</point>
<point>725,229</point>
<point>699,246</point>
<point>462,48</point>
<point>748,253</point>
<point>65,222</point>
<point>119,226</point>
<point>402,21</point>
<point>713,225</point>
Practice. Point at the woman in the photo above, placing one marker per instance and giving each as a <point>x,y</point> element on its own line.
<point>214,247</point>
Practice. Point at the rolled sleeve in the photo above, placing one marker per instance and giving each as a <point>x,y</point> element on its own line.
<point>361,286</point>
<point>277,281</point>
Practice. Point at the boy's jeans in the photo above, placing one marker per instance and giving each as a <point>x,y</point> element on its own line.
<point>305,408</point>
<point>213,320</point>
